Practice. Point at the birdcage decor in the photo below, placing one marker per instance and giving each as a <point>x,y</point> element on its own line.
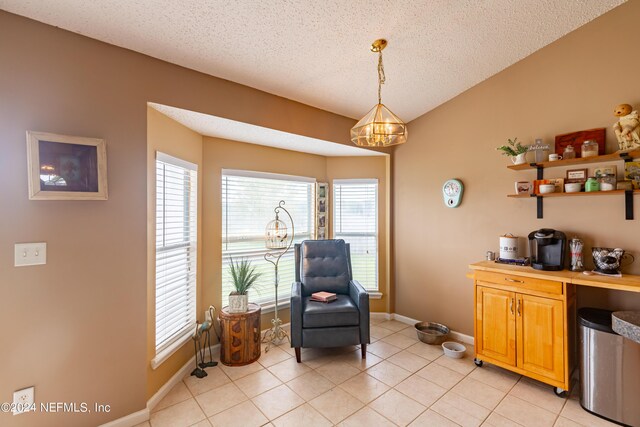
<point>276,235</point>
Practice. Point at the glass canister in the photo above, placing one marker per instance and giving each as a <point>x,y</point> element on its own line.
<point>575,246</point>
<point>569,152</point>
<point>592,184</point>
<point>589,148</point>
<point>607,182</point>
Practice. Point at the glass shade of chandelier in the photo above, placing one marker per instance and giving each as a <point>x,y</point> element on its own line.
<point>379,127</point>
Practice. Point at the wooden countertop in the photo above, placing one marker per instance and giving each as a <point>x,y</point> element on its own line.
<point>627,282</point>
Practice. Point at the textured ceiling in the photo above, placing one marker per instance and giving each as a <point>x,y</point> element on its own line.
<point>317,52</point>
<point>219,127</point>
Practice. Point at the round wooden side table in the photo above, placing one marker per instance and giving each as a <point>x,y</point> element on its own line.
<point>240,336</point>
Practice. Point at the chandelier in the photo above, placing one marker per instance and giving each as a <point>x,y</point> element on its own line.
<point>379,127</point>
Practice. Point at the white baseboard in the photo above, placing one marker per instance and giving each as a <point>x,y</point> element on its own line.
<point>383,316</point>
<point>144,414</point>
<point>453,334</point>
<point>130,420</point>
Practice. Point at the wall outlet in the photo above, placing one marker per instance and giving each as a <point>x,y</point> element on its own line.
<point>23,400</point>
<point>30,254</point>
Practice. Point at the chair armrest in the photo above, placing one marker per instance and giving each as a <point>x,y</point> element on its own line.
<point>360,298</point>
<point>296,314</point>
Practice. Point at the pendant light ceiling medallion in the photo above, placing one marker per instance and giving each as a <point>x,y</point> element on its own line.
<point>379,127</point>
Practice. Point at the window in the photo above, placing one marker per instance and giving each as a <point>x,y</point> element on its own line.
<point>176,252</point>
<point>355,219</point>
<point>248,202</point>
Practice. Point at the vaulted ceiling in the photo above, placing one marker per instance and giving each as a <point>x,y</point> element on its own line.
<point>317,52</point>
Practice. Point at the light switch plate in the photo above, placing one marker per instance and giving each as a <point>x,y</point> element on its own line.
<point>30,254</point>
<point>23,400</point>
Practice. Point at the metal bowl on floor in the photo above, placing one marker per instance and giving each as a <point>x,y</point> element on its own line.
<point>431,332</point>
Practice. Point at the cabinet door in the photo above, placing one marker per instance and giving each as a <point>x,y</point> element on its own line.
<point>540,336</point>
<point>495,324</point>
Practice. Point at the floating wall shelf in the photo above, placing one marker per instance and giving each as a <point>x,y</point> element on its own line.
<point>628,194</point>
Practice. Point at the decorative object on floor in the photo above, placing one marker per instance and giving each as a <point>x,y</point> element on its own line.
<point>540,150</point>
<point>244,276</point>
<point>65,167</point>
<point>379,127</point>
<point>453,349</point>
<point>322,206</point>
<point>452,192</point>
<point>627,128</point>
<point>203,330</point>
<point>515,150</point>
<point>431,332</point>
<point>325,265</point>
<point>277,237</point>
<point>575,139</point>
<point>240,336</point>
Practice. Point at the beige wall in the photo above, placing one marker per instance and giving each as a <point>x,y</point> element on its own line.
<point>76,328</point>
<point>169,137</point>
<point>571,85</point>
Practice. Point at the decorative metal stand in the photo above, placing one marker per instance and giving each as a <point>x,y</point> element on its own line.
<point>203,328</point>
<point>278,238</point>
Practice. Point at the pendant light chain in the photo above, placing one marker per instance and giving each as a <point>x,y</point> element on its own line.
<point>381,76</point>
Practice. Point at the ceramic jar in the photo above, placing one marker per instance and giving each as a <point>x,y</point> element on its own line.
<point>592,184</point>
<point>589,148</point>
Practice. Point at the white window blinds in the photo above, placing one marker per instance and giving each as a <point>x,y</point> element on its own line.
<point>176,249</point>
<point>248,202</point>
<point>355,219</point>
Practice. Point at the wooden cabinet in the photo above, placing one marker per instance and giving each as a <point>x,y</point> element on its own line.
<point>520,325</point>
<point>240,336</point>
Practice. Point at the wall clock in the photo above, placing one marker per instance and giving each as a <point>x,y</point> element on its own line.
<point>452,192</point>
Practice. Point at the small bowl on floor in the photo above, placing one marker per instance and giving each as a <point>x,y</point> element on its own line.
<point>431,332</point>
<point>454,350</point>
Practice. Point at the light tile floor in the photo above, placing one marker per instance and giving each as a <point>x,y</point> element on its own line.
<point>402,382</point>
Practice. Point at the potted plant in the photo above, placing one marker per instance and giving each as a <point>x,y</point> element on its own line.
<point>244,276</point>
<point>515,150</point>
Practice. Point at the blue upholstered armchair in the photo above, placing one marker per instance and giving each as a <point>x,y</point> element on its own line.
<point>325,265</point>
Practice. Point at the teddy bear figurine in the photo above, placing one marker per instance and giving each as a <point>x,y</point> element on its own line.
<point>627,128</point>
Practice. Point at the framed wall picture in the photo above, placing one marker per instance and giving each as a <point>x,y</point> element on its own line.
<point>65,167</point>
<point>322,208</point>
<point>577,138</point>
<point>577,175</point>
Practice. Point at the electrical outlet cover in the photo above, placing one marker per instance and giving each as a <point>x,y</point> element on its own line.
<point>23,400</point>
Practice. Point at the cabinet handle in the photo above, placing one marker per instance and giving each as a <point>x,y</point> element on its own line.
<point>519,312</point>
<point>511,306</point>
<point>513,280</point>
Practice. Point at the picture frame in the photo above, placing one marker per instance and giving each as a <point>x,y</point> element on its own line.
<point>322,208</point>
<point>577,138</point>
<point>63,167</point>
<point>577,175</point>
<point>598,172</point>
<point>559,184</point>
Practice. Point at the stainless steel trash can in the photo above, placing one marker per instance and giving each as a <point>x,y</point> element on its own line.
<point>609,369</point>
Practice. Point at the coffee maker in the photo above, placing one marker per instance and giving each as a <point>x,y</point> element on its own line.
<point>548,248</point>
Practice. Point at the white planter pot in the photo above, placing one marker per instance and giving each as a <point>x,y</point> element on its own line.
<point>238,303</point>
<point>519,159</point>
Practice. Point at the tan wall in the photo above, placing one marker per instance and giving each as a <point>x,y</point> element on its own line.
<point>369,167</point>
<point>571,85</point>
<point>77,327</point>
<point>169,137</point>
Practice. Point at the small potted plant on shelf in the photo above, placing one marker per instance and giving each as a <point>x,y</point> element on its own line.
<point>244,276</point>
<point>515,150</point>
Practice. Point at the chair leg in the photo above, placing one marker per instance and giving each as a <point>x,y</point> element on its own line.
<point>363,349</point>
<point>298,355</point>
